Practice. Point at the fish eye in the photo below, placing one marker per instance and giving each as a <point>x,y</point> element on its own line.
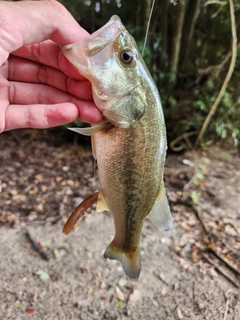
<point>126,56</point>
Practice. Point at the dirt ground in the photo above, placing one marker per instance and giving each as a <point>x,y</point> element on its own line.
<point>192,272</point>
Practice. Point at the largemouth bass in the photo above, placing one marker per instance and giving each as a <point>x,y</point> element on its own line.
<point>130,146</point>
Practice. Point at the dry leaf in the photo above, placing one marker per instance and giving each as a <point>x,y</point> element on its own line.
<point>163,291</point>
<point>120,294</point>
<point>179,313</point>
<point>176,286</point>
<point>135,296</point>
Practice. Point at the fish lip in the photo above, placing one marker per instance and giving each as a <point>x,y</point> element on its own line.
<point>117,21</point>
<point>80,53</point>
<point>100,38</point>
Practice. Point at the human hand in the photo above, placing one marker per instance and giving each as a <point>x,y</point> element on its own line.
<point>39,88</point>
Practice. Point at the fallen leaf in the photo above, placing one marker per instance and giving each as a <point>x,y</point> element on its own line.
<point>104,298</point>
<point>135,296</point>
<point>163,291</point>
<point>122,282</point>
<point>119,294</point>
<point>44,276</point>
<point>179,313</point>
<point>185,226</point>
<point>118,304</point>
<point>212,272</point>
<point>195,256</point>
<point>176,286</point>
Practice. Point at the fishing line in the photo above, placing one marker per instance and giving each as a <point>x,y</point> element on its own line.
<point>94,175</point>
<point>149,19</point>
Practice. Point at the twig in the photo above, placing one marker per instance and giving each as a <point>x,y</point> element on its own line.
<point>215,14</point>
<point>228,76</point>
<point>236,252</point>
<point>128,296</point>
<point>209,243</point>
<point>232,107</point>
<point>213,263</point>
<point>193,295</point>
<point>196,166</point>
<point>46,255</point>
<point>177,312</point>
<point>160,278</point>
<point>199,216</point>
<point>188,146</point>
<point>223,260</point>
<point>184,136</point>
<point>226,307</point>
<point>209,69</point>
<point>222,3</point>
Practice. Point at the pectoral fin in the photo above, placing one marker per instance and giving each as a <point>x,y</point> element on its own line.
<point>160,214</point>
<point>101,203</point>
<point>88,131</point>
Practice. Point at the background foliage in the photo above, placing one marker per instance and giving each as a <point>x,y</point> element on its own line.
<point>188,53</point>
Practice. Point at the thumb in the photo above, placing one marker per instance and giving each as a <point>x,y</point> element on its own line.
<point>27,22</point>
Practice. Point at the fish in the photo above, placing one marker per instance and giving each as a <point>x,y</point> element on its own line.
<point>129,145</point>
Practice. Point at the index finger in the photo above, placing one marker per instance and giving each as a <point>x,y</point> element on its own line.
<point>48,53</point>
<point>27,22</point>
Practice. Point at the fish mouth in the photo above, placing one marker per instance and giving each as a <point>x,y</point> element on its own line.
<point>100,38</point>
<point>97,41</point>
<point>89,50</point>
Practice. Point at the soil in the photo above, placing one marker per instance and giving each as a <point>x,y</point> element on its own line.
<point>191,272</point>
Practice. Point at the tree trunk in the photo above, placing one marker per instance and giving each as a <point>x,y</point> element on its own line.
<point>139,19</point>
<point>191,17</point>
<point>92,15</point>
<point>159,32</point>
<point>147,9</point>
<point>179,13</point>
<point>163,27</point>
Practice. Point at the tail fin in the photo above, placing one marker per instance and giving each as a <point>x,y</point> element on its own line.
<point>131,261</point>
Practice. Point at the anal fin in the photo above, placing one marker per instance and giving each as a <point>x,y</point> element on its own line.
<point>160,214</point>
